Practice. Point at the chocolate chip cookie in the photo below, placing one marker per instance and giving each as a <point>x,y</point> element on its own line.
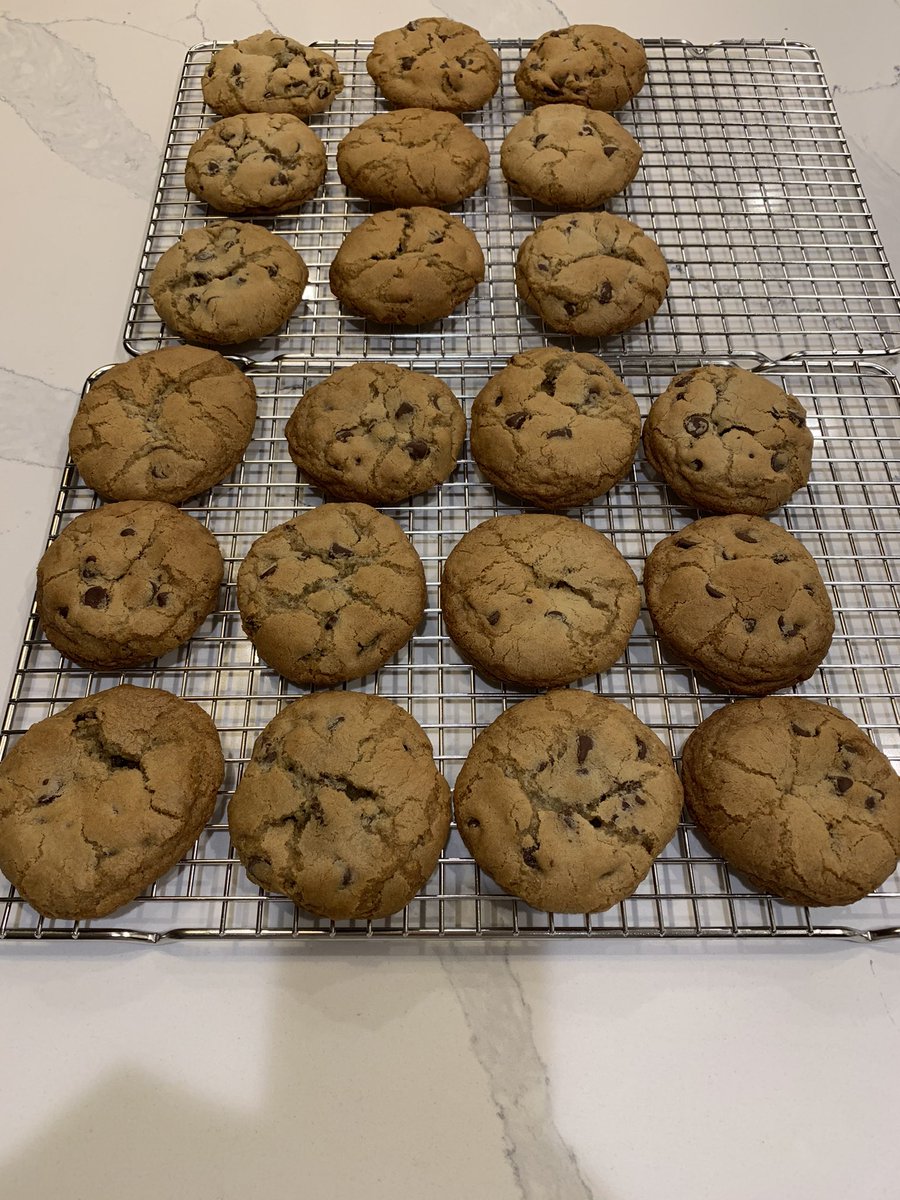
<point>413,156</point>
<point>341,807</point>
<point>407,266</point>
<point>741,601</point>
<point>566,800</point>
<point>331,594</point>
<point>269,73</point>
<point>594,65</point>
<point>434,63</point>
<point>794,795</point>
<point>126,583</point>
<point>101,799</point>
<point>376,433</point>
<point>163,426</point>
<point>226,283</point>
<point>555,427</point>
<point>539,600</point>
<point>591,273</point>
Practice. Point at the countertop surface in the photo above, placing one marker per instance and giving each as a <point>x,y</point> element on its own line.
<point>615,1071</point>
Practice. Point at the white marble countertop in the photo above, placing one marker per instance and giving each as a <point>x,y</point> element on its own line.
<point>616,1071</point>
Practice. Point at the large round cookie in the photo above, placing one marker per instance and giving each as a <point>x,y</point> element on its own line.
<point>163,426</point>
<point>376,433</point>
<point>591,273</point>
<point>331,594</point>
<point>341,807</point>
<point>741,601</point>
<point>539,600</point>
<point>271,74</point>
<point>101,799</point>
<point>729,440</point>
<point>566,800</point>
<point>793,794</point>
<point>594,65</point>
<point>566,156</point>
<point>434,62</point>
<point>413,156</point>
<point>255,162</point>
<point>407,265</point>
<point>555,427</point>
<point>226,283</point>
<point>126,583</point>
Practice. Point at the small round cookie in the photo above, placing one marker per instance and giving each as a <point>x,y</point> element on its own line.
<point>407,266</point>
<point>413,156</point>
<point>566,156</point>
<point>555,427</point>
<point>566,800</point>
<point>591,273</point>
<point>376,433</point>
<point>256,162</point>
<point>729,440</point>
<point>539,600</point>
<point>794,795</point>
<point>331,594</point>
<point>593,65</point>
<point>163,426</point>
<point>126,583</point>
<point>268,73</point>
<point>101,799</point>
<point>741,601</point>
<point>434,63</point>
<point>341,807</point>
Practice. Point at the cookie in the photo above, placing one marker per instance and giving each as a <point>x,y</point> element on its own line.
<point>255,162</point>
<point>566,800</point>
<point>729,440</point>
<point>163,426</point>
<point>100,800</point>
<point>539,600</point>
<point>341,807</point>
<point>593,65</point>
<point>567,157</point>
<point>413,156</point>
<point>376,433</point>
<point>434,63</point>
<point>226,283</point>
<point>741,601</point>
<point>591,273</point>
<point>268,73</point>
<point>127,583</point>
<point>555,427</point>
<point>795,796</point>
<point>407,266</point>
<point>331,594</point>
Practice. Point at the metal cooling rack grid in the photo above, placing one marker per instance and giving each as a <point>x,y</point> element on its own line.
<point>848,518</point>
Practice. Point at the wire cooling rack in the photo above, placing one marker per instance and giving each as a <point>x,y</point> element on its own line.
<point>746,183</point>
<point>847,517</point>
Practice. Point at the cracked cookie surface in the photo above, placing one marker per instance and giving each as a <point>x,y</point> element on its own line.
<point>376,433</point>
<point>166,425</point>
<point>794,795</point>
<point>741,601</point>
<point>413,156</point>
<point>341,806</point>
<point>591,273</point>
<point>407,266</point>
<point>269,73</point>
<point>226,283</point>
<point>434,62</point>
<point>126,583</point>
<point>101,799</point>
<point>555,427</point>
<point>594,65</point>
<point>331,594</point>
<point>539,600</point>
<point>566,799</point>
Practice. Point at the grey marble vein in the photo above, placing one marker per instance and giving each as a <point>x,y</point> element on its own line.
<point>529,16</point>
<point>270,24</point>
<point>113,25</point>
<point>35,417</point>
<point>878,86</point>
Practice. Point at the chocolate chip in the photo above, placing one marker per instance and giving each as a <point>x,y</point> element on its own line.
<point>343,435</point>
<point>586,131</point>
<point>842,783</point>
<point>42,800</point>
<point>404,409</point>
<point>417,449</point>
<point>89,571</point>
<point>605,294</point>
<point>685,544</point>
<point>780,462</point>
<point>339,551</point>
<point>269,571</point>
<point>781,558</point>
<point>749,624</point>
<point>528,857</point>
<point>63,612</point>
<point>212,168</point>
<point>801,732</point>
<point>609,151</point>
<point>516,420</point>
<point>96,597</point>
<point>696,425</point>
<point>280,179</point>
<point>330,622</point>
<point>697,464</point>
<point>571,308</point>
<point>745,536</point>
<point>236,69</point>
<point>347,877</point>
<point>129,532</point>
<point>787,630</point>
<point>626,807</point>
<point>162,599</point>
<point>556,615</point>
<point>585,745</point>
<point>564,432</point>
<point>542,766</point>
<point>323,91</point>
<point>714,592</point>
<point>273,271</point>
<point>641,748</point>
<point>596,822</point>
<point>158,471</point>
<point>870,802</point>
<point>493,617</point>
<point>473,823</point>
<point>406,64</point>
<point>536,141</point>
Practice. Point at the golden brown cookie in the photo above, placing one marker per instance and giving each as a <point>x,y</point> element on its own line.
<point>595,65</point>
<point>272,74</point>
<point>434,62</point>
